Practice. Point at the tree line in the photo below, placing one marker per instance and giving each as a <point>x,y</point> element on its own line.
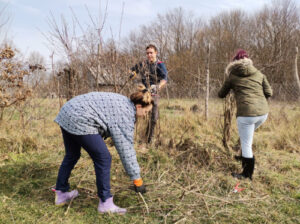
<point>270,35</point>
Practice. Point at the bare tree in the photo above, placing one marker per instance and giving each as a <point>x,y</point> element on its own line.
<point>272,33</point>
<point>97,64</point>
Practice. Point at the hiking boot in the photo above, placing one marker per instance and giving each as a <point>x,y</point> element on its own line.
<point>61,198</point>
<point>109,206</point>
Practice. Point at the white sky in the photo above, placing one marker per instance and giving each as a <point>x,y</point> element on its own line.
<point>29,16</point>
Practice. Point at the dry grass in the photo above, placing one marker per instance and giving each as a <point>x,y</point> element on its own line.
<point>186,170</point>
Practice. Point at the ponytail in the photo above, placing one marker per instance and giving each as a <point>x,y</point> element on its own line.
<point>142,96</point>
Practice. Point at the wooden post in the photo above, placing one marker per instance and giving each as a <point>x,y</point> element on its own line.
<point>199,84</point>
<point>98,68</point>
<point>207,82</point>
<point>296,75</point>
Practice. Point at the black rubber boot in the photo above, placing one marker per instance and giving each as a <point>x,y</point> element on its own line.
<point>248,168</point>
<point>238,157</point>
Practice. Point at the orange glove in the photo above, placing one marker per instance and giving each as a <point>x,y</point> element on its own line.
<point>138,182</point>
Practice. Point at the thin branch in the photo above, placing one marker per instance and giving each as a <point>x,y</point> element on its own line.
<point>147,208</point>
<point>83,176</point>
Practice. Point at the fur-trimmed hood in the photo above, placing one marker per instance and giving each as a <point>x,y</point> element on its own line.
<point>243,67</point>
<point>250,87</point>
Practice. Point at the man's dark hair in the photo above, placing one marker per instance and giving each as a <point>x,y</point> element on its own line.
<point>151,46</point>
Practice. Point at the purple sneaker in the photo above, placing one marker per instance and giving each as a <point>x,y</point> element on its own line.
<point>62,198</point>
<point>109,206</point>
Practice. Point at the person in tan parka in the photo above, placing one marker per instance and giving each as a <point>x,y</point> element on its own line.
<point>251,90</point>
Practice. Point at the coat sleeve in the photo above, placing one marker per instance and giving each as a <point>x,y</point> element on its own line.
<point>163,71</point>
<point>225,88</point>
<point>267,88</point>
<point>122,136</point>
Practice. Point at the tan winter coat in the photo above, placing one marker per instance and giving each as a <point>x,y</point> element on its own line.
<point>250,87</point>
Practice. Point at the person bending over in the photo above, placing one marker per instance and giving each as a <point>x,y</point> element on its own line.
<point>85,121</point>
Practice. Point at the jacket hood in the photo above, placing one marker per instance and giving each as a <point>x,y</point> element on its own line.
<point>243,68</point>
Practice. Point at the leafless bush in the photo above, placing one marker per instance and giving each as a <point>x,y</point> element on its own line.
<point>13,90</point>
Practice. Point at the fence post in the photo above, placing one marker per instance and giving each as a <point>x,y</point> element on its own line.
<point>207,82</point>
<point>296,76</point>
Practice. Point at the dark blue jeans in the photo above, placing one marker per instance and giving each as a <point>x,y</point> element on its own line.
<point>96,148</point>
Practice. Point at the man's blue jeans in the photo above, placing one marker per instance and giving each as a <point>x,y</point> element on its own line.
<point>96,148</point>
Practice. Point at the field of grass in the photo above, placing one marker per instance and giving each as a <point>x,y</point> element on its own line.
<point>186,169</point>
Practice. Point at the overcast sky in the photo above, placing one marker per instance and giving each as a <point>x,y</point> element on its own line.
<point>29,16</point>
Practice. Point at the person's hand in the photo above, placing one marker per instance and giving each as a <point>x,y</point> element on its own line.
<point>139,187</point>
<point>132,75</point>
<point>153,89</point>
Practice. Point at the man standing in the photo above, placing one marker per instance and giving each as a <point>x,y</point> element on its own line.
<point>154,76</point>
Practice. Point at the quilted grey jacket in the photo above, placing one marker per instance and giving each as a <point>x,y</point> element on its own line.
<point>108,114</point>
